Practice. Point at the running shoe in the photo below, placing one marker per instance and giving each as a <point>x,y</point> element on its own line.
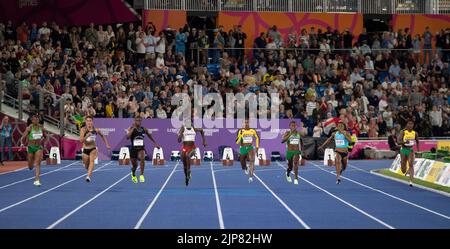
<point>338,181</point>
<point>133,178</point>
<point>37,183</point>
<point>296,181</point>
<point>288,178</point>
<point>250,179</point>
<point>246,170</point>
<point>141,178</point>
<point>187,181</point>
<point>88,179</point>
<point>410,183</point>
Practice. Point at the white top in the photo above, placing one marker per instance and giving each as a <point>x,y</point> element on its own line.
<point>188,135</point>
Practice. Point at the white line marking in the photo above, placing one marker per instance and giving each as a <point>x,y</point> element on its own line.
<point>284,204</point>
<point>345,202</point>
<point>87,202</point>
<point>219,209</point>
<point>37,195</point>
<point>30,178</point>
<point>141,220</point>
<point>406,183</point>
<point>16,170</point>
<point>387,194</point>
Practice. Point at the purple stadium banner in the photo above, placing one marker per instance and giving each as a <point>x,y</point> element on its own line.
<point>166,135</point>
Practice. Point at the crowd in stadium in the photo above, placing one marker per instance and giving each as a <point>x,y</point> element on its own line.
<point>374,82</point>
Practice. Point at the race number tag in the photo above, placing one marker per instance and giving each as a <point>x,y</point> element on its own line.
<point>294,141</point>
<point>247,139</point>
<point>138,142</point>
<point>340,142</point>
<point>37,136</point>
<point>410,142</point>
<point>91,138</point>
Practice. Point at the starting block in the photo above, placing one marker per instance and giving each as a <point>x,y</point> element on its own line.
<point>195,159</point>
<point>158,156</point>
<point>261,158</point>
<point>54,157</point>
<point>228,158</point>
<point>124,156</point>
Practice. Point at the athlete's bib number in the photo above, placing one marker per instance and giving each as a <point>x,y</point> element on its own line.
<point>138,142</point>
<point>340,142</point>
<point>247,140</point>
<point>410,142</point>
<point>294,141</point>
<point>37,136</point>
<point>91,138</point>
<point>189,138</point>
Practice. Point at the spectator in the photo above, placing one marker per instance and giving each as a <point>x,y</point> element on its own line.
<point>6,138</point>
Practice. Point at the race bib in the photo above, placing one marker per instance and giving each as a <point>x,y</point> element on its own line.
<point>37,136</point>
<point>294,141</point>
<point>91,138</point>
<point>138,142</point>
<point>410,142</point>
<point>189,138</point>
<point>247,139</point>
<point>340,142</point>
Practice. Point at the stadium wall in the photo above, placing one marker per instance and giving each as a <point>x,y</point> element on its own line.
<point>254,23</point>
<point>165,18</point>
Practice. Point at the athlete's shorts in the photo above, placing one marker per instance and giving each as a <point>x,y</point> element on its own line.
<point>88,151</point>
<point>291,153</point>
<point>135,151</point>
<point>34,148</point>
<point>342,154</point>
<point>243,150</point>
<point>406,151</point>
<point>187,149</point>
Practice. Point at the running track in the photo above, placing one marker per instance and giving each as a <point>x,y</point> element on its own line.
<point>217,197</point>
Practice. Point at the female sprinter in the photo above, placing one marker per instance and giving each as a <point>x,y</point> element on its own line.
<point>407,138</point>
<point>88,135</point>
<point>187,136</point>
<point>341,139</point>
<point>136,134</point>
<point>245,139</point>
<point>293,151</point>
<point>35,133</point>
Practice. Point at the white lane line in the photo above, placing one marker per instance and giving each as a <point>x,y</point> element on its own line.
<point>345,202</point>
<point>16,170</point>
<point>387,194</point>
<point>284,204</point>
<point>147,211</point>
<point>219,208</point>
<point>42,193</point>
<point>86,203</point>
<point>30,178</point>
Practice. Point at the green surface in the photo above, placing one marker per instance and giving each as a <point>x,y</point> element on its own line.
<point>387,172</point>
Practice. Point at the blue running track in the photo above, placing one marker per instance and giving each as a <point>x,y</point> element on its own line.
<point>217,197</point>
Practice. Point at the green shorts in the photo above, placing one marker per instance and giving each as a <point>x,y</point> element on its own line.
<point>291,153</point>
<point>34,148</point>
<point>406,151</point>
<point>245,149</point>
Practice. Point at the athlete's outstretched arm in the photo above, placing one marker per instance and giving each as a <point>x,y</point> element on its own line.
<point>104,139</point>
<point>202,133</point>
<point>327,141</point>
<point>417,141</point>
<point>149,135</point>
<point>130,131</point>
<point>180,134</point>
<point>400,138</point>
<point>257,139</point>
<point>285,137</point>
<point>27,131</point>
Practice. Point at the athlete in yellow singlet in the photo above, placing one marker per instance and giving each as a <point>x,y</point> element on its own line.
<point>245,139</point>
<point>407,139</point>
